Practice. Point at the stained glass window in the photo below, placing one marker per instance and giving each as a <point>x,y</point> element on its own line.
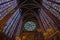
<point>54,8</point>
<point>5,8</point>
<point>12,23</point>
<point>29,26</point>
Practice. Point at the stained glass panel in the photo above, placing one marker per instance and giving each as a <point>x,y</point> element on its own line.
<point>5,8</point>
<point>29,26</point>
<point>12,23</point>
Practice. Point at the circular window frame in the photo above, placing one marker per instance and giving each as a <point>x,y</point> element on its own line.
<point>33,28</point>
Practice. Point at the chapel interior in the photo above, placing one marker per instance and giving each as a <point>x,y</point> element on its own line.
<point>29,19</point>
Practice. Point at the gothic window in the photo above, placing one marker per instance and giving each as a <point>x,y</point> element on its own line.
<point>53,8</point>
<point>11,24</point>
<point>29,26</point>
<point>6,6</point>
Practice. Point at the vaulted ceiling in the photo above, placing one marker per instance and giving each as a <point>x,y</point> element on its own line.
<point>30,9</point>
<point>27,5</point>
